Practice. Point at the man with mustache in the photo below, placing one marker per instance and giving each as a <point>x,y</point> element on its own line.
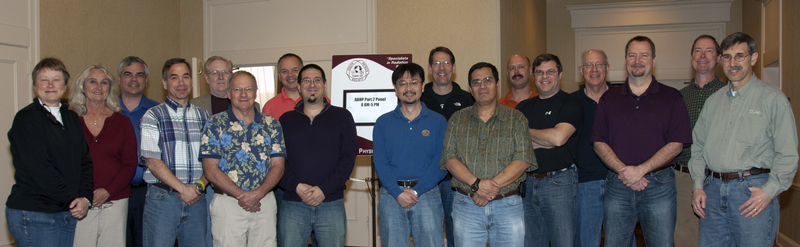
<point>519,73</point>
<point>487,149</point>
<point>747,137</point>
<point>408,147</point>
<point>314,184</point>
<point>639,129</point>
<point>554,120</point>
<point>132,72</point>
<point>705,55</point>
<point>445,97</point>
<point>170,132</point>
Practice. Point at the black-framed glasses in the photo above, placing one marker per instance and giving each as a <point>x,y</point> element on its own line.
<point>486,80</point>
<point>738,57</point>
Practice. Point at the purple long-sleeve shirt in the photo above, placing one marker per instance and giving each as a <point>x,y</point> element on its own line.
<point>319,153</point>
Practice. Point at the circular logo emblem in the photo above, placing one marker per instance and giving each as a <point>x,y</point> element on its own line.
<point>357,71</point>
<point>426,133</point>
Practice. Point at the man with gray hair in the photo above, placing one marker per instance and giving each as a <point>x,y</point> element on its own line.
<point>132,72</point>
<point>243,154</point>
<point>747,137</point>
<point>216,71</point>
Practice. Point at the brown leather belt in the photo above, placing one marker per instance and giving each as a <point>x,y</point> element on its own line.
<point>497,197</point>
<point>741,174</point>
<point>681,168</point>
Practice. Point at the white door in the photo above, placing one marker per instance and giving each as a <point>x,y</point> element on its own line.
<point>18,51</point>
<point>357,205</point>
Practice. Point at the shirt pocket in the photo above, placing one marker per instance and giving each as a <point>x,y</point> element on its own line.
<point>751,128</point>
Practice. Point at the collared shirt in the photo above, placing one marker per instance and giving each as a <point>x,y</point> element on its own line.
<point>753,129</point>
<point>280,104</point>
<point>636,127</point>
<point>409,149</point>
<point>547,113</point>
<point>243,150</point>
<point>486,148</point>
<point>171,133</point>
<point>695,97</point>
<point>449,103</point>
<point>590,167</point>
<point>135,116</point>
<point>507,101</point>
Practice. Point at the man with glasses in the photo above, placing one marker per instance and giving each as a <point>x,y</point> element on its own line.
<point>554,120</point>
<point>487,149</point>
<point>747,137</point>
<point>639,130</point>
<point>445,97</point>
<point>314,183</point>
<point>243,154</point>
<point>216,71</point>
<point>705,56</point>
<point>132,72</point>
<point>519,73</point>
<point>408,147</point>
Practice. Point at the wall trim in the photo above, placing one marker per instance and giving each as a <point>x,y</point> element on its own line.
<point>784,241</point>
<point>649,13</point>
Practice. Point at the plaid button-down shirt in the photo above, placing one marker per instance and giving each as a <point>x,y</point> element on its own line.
<point>171,133</point>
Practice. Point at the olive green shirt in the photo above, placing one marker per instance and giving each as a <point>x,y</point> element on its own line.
<point>695,97</point>
<point>486,148</point>
<point>751,128</point>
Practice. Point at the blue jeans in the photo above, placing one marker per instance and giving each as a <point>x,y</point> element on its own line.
<point>166,217</point>
<point>724,226</point>
<point>655,208</point>
<point>501,222</point>
<point>590,213</point>
<point>424,220</point>
<point>446,191</point>
<point>297,220</point>
<point>135,212</point>
<point>32,229</point>
<point>551,209</point>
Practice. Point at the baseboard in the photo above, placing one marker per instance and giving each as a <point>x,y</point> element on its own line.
<point>784,241</point>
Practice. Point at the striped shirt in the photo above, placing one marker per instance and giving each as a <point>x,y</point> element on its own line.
<point>171,133</point>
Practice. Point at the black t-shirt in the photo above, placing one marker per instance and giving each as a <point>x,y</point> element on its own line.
<point>545,114</point>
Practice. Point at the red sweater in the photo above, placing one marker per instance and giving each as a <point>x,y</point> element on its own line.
<point>114,153</point>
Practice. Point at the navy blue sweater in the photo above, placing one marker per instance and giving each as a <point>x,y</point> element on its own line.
<point>319,153</point>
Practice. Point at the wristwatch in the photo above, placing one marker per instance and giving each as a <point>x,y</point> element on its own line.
<point>474,187</point>
<point>199,187</point>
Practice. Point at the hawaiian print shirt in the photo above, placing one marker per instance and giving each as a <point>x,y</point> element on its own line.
<point>243,150</point>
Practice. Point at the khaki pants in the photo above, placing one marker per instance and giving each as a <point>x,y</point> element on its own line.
<point>687,230</point>
<point>233,226</point>
<point>103,226</point>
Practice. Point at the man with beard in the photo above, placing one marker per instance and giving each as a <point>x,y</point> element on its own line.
<point>639,129</point>
<point>132,72</point>
<point>487,149</point>
<point>519,73</point>
<point>705,55</point>
<point>747,137</point>
<point>554,120</point>
<point>408,147</point>
<point>314,184</point>
<point>445,97</point>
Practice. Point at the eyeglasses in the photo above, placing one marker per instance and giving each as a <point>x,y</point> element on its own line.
<point>219,72</point>
<point>309,80</point>
<point>739,57</point>
<point>248,90</point>
<point>405,83</point>
<point>593,65</point>
<point>487,80</point>
<point>549,72</point>
<point>440,63</point>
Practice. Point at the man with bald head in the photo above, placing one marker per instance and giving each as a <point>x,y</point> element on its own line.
<point>519,74</point>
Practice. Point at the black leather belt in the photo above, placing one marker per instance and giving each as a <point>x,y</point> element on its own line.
<point>407,183</point>
<point>497,197</point>
<point>169,189</point>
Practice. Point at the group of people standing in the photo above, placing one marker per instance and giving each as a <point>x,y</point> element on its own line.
<point>534,168</point>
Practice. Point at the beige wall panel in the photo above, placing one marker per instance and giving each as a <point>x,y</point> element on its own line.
<point>561,36</point>
<point>522,31</point>
<point>192,38</point>
<point>471,29</point>
<point>86,32</point>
